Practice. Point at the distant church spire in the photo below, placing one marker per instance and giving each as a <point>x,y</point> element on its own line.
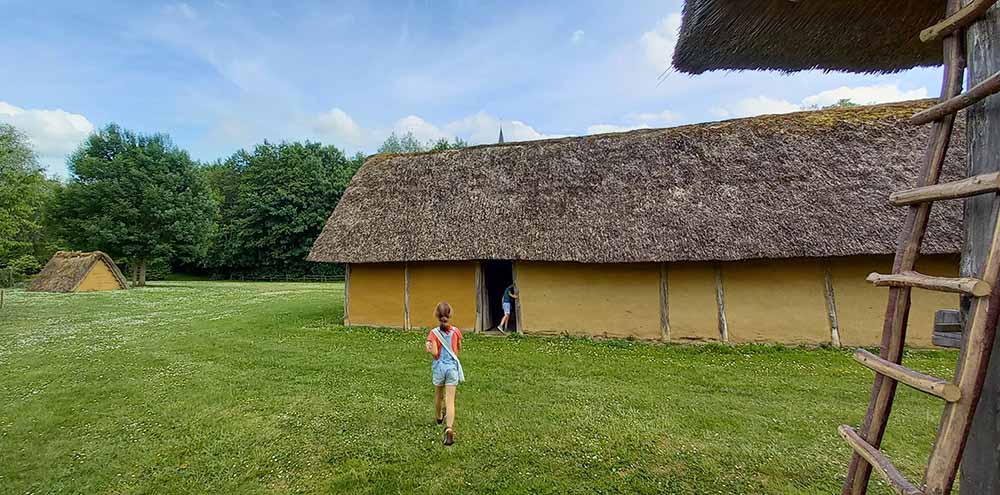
<point>500,141</point>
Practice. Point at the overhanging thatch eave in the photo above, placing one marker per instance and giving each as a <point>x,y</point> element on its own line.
<point>868,36</point>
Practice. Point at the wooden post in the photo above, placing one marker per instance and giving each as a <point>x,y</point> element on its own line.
<point>483,296</point>
<point>664,306</point>
<point>720,302</point>
<point>347,294</point>
<point>479,297</point>
<point>406,296</point>
<point>517,302</point>
<point>831,304</point>
<point>981,460</point>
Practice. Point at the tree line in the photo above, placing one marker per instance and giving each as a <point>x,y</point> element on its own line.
<point>148,204</point>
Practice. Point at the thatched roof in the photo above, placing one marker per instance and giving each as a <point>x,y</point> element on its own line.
<point>807,184</point>
<point>847,35</point>
<point>67,269</point>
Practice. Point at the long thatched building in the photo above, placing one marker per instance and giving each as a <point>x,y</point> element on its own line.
<point>72,271</point>
<point>749,230</point>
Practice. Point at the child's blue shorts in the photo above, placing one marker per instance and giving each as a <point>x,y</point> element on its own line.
<point>444,375</point>
<point>506,308</point>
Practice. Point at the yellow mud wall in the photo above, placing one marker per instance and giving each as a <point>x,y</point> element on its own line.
<point>776,301</point>
<point>433,282</point>
<point>376,294</point>
<point>99,278</point>
<point>614,300</point>
<point>691,302</point>
<point>861,305</point>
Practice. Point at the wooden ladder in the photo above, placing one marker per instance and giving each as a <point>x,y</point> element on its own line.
<point>962,393</point>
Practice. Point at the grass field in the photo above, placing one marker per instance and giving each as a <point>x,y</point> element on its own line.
<point>196,387</point>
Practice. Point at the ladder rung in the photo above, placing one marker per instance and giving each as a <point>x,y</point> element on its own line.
<point>962,285</point>
<point>924,383</point>
<point>878,461</point>
<point>980,184</point>
<point>961,19</point>
<point>989,86</point>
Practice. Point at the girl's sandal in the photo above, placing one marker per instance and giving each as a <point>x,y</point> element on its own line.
<point>449,436</point>
<point>441,419</point>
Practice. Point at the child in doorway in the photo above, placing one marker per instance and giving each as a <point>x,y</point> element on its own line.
<point>509,294</point>
<point>444,342</point>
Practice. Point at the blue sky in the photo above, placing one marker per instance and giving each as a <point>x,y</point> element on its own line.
<point>218,76</point>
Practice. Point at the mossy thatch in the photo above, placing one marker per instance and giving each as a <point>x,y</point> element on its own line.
<point>846,35</point>
<point>67,269</point>
<point>807,184</point>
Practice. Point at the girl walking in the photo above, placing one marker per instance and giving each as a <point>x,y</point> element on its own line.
<point>444,342</point>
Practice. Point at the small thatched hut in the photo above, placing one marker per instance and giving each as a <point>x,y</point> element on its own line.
<point>749,230</point>
<point>70,271</point>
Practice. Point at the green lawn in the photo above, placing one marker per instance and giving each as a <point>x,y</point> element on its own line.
<point>190,387</point>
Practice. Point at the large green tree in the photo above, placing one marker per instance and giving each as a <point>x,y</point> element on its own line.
<point>408,143</point>
<point>24,194</point>
<point>223,178</point>
<point>135,196</point>
<point>273,203</point>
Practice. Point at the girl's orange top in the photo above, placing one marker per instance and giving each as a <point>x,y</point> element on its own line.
<point>452,333</point>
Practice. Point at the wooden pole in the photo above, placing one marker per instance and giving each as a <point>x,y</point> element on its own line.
<point>967,15</point>
<point>406,296</point>
<point>479,297</point>
<point>971,97</point>
<point>963,285</point>
<point>831,304</point>
<point>664,306</point>
<point>720,303</point>
<point>347,294</point>
<point>978,184</point>
<point>517,302</point>
<point>925,383</point>
<point>981,459</point>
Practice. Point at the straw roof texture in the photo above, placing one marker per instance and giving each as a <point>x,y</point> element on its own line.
<point>67,269</point>
<point>846,35</point>
<point>807,184</point>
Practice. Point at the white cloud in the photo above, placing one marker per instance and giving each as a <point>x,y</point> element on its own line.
<point>53,133</point>
<point>422,130</point>
<point>658,44</point>
<point>606,128</point>
<point>865,95</point>
<point>643,120</point>
<point>576,37</point>
<point>757,105</point>
<point>862,95</point>
<point>664,118</point>
<point>339,128</point>
<point>181,9</point>
<point>337,124</point>
<point>482,127</point>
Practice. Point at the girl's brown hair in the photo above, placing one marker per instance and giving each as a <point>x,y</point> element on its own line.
<point>442,309</point>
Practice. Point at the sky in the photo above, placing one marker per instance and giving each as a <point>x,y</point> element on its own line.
<point>222,75</point>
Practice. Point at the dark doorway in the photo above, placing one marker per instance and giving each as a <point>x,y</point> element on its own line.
<point>497,276</point>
